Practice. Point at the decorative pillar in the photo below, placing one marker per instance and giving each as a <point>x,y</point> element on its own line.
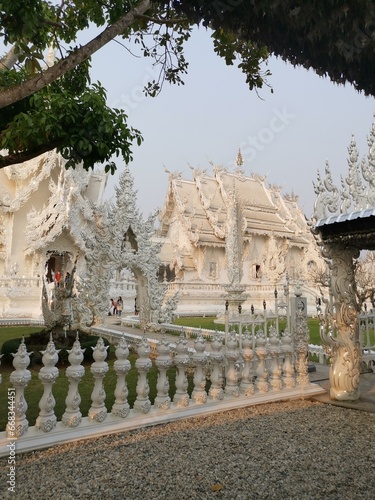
<point>288,366</point>
<point>163,362</point>
<point>121,366</point>
<point>217,359</point>
<point>72,416</point>
<point>274,351</point>
<point>199,360</point>
<point>247,354</point>
<point>143,364</point>
<point>181,361</point>
<point>342,338</point>
<point>99,368</point>
<point>301,337</point>
<point>47,419</point>
<point>19,378</point>
<point>231,375</point>
<point>261,351</point>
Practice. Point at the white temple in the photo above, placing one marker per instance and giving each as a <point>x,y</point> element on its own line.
<point>230,228</point>
<point>215,230</point>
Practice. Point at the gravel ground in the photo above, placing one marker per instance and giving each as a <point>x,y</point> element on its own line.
<point>296,449</point>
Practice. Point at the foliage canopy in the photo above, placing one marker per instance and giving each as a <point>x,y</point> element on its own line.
<point>52,103</point>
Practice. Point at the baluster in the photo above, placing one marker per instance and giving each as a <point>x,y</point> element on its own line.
<point>199,359</point>
<point>182,361</point>
<point>163,362</point>
<point>287,350</point>
<point>231,375</point>
<point>143,364</point>
<point>247,353</point>
<point>99,368</point>
<point>72,416</point>
<point>217,360</point>
<point>261,352</point>
<point>274,350</point>
<point>121,366</point>
<point>301,339</point>
<point>19,379</point>
<point>47,419</point>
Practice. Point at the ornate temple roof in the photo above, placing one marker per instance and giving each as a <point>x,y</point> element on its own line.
<point>202,207</point>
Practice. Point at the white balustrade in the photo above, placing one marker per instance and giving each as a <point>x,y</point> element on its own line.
<point>287,351</point>
<point>232,354</point>
<point>19,378</point>
<point>261,383</point>
<point>217,362</point>
<point>48,374</point>
<point>199,359</point>
<point>121,366</point>
<point>143,364</point>
<point>274,351</point>
<point>247,381</point>
<point>182,361</point>
<point>72,416</point>
<point>99,368</point>
<point>247,354</point>
<point>163,362</point>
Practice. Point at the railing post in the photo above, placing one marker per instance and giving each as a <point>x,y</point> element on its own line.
<point>20,378</point>
<point>99,368</point>
<point>143,364</point>
<point>72,416</point>
<point>182,361</point>
<point>217,359</point>
<point>247,353</point>
<point>199,359</point>
<point>261,351</point>
<point>47,419</point>
<point>275,370</point>
<point>231,375</point>
<point>288,368</point>
<point>121,366</point>
<point>163,362</point>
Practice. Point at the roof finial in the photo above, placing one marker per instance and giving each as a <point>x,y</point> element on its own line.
<point>239,158</point>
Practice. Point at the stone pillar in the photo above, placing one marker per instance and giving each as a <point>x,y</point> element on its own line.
<point>247,354</point>
<point>72,416</point>
<point>182,361</point>
<point>163,362</point>
<point>47,419</point>
<point>199,359</point>
<point>19,378</point>
<point>274,350</point>
<point>121,366</point>
<point>143,364</point>
<point>342,337</point>
<point>232,354</point>
<point>217,360</point>
<point>261,371</point>
<point>288,365</point>
<point>301,336</point>
<point>99,368</point>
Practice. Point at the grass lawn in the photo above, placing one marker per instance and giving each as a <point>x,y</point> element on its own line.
<point>208,323</point>
<point>14,332</point>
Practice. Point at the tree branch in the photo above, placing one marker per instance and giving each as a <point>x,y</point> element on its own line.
<point>14,94</point>
<point>163,21</point>
<point>22,156</point>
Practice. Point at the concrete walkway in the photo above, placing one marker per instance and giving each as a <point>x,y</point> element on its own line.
<point>366,401</point>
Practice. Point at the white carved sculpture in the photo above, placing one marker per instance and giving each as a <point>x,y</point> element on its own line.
<point>19,378</point>
<point>217,363</point>
<point>163,362</point>
<point>261,351</point>
<point>47,419</point>
<point>72,416</point>
<point>274,351</point>
<point>182,362</point>
<point>231,375</point>
<point>288,365</point>
<point>199,359</point>
<point>99,368</point>
<point>122,367</point>
<point>143,364</point>
<point>247,354</point>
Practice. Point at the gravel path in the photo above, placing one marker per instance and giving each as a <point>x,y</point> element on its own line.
<point>289,450</point>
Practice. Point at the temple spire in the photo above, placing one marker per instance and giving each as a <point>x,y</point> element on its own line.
<point>239,163</point>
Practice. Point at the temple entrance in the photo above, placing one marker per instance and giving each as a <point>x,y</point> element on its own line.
<point>58,267</point>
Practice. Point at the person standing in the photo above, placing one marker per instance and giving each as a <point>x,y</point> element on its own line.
<point>119,306</point>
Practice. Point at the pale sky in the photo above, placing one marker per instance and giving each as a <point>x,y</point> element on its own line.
<point>287,135</point>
